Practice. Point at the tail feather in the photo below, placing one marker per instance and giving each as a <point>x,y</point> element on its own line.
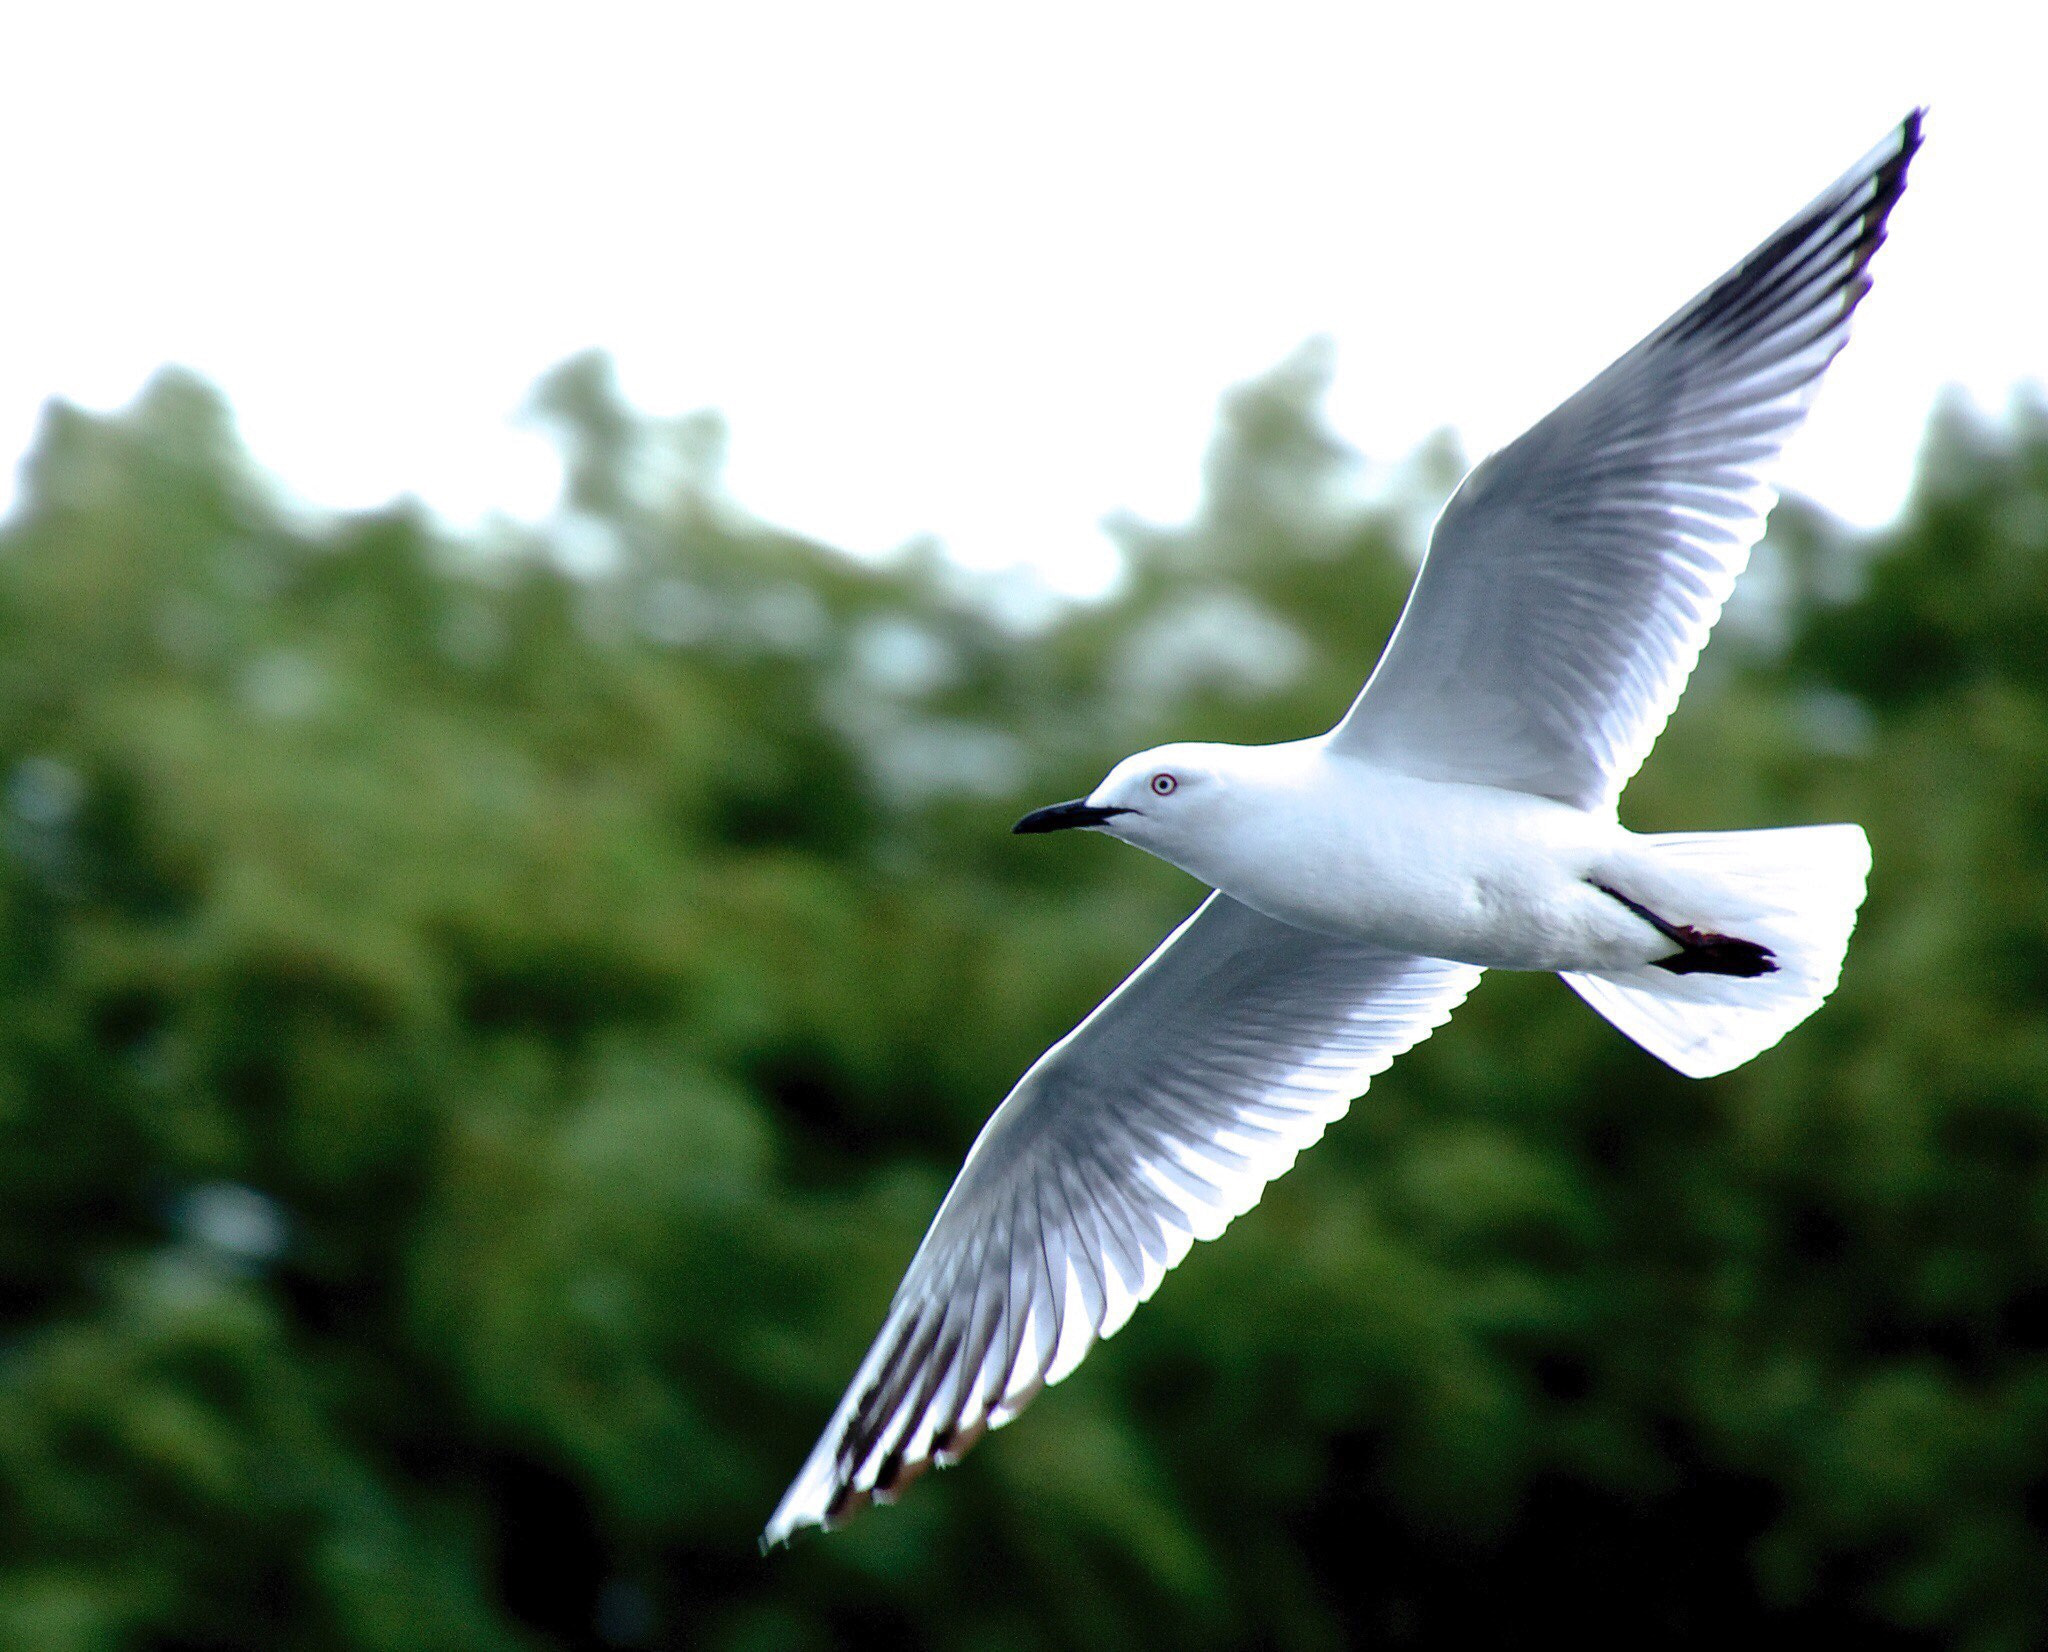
<point>1792,891</point>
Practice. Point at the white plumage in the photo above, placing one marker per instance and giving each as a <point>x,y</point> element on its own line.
<point>1460,817</point>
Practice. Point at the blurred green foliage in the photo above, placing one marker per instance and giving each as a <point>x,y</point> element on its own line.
<point>486,1022</point>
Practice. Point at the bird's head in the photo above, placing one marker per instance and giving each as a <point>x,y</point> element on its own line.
<point>1165,800</point>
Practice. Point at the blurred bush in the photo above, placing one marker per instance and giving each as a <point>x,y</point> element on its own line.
<point>486,1022</point>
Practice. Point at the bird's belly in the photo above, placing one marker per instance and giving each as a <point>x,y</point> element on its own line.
<point>1505,880</point>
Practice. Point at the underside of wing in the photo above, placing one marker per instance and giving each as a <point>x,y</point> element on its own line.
<point>1573,578</point>
<point>1153,1124</point>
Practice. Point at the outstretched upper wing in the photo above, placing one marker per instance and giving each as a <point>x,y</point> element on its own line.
<point>1573,578</point>
<point>1152,1124</point>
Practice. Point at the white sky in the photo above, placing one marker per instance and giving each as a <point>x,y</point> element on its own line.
<point>972,270</point>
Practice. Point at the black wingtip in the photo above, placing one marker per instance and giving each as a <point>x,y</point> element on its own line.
<point>1889,181</point>
<point>1891,176</point>
<point>1833,239</point>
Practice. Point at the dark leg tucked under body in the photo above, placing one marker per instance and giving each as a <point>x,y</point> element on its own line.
<point>1700,951</point>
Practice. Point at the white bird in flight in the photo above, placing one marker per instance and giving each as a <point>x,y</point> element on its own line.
<point>1461,817</point>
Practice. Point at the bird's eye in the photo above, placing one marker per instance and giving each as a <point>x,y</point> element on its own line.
<point>1162,784</point>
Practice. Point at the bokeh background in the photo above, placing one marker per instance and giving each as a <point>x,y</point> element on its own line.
<point>492,989</point>
<point>481,1040</point>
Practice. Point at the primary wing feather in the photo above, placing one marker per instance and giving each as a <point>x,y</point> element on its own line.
<point>1573,578</point>
<point>1152,1124</point>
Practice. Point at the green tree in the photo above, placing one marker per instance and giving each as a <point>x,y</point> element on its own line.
<point>487,1020</point>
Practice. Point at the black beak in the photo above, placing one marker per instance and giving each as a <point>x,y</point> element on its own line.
<point>1063,817</point>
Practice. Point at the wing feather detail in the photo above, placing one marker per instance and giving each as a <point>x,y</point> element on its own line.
<point>1153,1124</point>
<point>1573,578</point>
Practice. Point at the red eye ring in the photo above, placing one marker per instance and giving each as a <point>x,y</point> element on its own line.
<point>1163,784</point>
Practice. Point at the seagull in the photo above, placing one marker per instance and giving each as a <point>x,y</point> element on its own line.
<point>1461,817</point>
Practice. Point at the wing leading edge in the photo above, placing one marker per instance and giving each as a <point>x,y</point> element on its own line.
<point>1573,578</point>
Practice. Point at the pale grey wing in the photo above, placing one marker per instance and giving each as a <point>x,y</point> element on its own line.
<point>1573,578</point>
<point>1152,1124</point>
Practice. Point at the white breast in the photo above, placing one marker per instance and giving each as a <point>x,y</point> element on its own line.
<point>1438,868</point>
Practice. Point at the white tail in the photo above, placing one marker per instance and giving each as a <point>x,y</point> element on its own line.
<point>1794,890</point>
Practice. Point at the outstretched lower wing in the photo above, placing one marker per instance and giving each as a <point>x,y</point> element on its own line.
<point>1152,1124</point>
<point>1573,578</point>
